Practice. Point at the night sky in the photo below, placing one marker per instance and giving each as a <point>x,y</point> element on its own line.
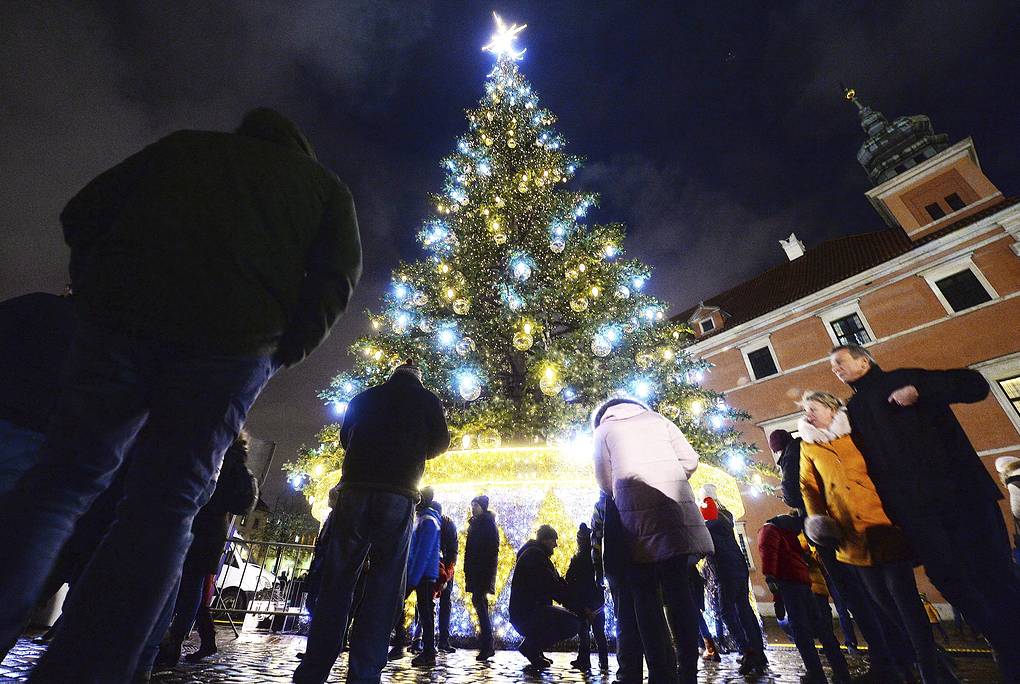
<point>712,129</point>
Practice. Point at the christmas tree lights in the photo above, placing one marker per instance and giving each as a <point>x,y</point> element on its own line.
<point>523,316</point>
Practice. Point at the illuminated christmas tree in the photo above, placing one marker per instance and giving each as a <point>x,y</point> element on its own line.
<point>523,317</point>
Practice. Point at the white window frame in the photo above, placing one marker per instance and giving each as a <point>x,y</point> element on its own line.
<point>842,311</point>
<point>787,422</point>
<point>951,268</point>
<point>701,325</point>
<point>757,344</point>
<point>999,369</point>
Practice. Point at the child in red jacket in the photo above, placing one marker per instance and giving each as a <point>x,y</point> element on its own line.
<point>786,572</point>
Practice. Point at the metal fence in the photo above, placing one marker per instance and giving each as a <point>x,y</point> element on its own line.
<point>261,585</point>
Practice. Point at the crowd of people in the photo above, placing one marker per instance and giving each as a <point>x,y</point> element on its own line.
<point>208,261</point>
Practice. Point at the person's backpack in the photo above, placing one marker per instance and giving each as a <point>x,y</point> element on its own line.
<point>237,489</point>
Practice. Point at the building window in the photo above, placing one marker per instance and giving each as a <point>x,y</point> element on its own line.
<point>962,290</point>
<point>740,529</point>
<point>959,285</point>
<point>935,211</point>
<point>850,330</point>
<point>955,203</point>
<point>846,324</point>
<point>762,363</point>
<point>1011,388</point>
<point>707,325</point>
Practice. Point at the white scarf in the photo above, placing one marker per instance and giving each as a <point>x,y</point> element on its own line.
<point>840,427</point>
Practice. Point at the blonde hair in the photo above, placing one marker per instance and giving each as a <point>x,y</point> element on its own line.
<point>824,398</point>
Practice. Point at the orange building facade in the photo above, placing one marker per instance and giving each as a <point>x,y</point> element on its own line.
<point>938,288</point>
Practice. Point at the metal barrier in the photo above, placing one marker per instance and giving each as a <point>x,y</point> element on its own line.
<point>261,584</point>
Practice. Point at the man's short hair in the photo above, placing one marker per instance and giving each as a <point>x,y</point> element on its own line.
<point>856,351</point>
<point>546,532</point>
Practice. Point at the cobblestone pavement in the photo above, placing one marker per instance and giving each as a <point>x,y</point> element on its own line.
<point>272,658</point>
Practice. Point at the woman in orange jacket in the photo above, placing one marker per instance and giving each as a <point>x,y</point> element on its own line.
<point>844,509</point>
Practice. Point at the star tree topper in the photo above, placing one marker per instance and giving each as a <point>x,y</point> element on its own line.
<point>502,41</point>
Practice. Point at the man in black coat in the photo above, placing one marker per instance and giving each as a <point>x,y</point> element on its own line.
<point>934,486</point>
<point>388,432</point>
<point>535,585</point>
<point>200,265</point>
<point>481,558</point>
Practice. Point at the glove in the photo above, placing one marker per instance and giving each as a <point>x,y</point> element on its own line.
<point>780,607</point>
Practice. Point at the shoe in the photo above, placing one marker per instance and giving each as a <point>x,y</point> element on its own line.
<point>581,664</point>
<point>813,679</point>
<point>201,654</point>
<point>416,646</point>
<point>535,658</point>
<point>754,662</point>
<point>396,653</point>
<point>485,654</point>
<point>711,652</point>
<point>300,655</point>
<point>447,648</point>
<point>424,659</point>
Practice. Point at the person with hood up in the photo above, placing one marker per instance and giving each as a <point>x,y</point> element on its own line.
<point>422,573</point>
<point>388,432</point>
<point>481,557</point>
<point>642,463</point>
<point>935,488</point>
<point>534,587</point>
<point>786,573</point>
<point>588,592</point>
<point>844,507</point>
<point>1008,468</point>
<point>200,266</point>
<point>732,574</point>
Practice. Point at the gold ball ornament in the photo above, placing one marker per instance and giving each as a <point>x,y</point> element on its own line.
<point>550,384</point>
<point>644,359</point>
<point>557,246</point>
<point>420,299</point>
<point>523,341</point>
<point>579,304</point>
<point>461,306</point>
<point>499,238</point>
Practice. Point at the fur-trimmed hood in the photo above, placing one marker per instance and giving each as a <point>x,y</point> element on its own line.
<point>840,427</point>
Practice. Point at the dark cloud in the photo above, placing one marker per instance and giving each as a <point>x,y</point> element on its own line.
<point>711,129</point>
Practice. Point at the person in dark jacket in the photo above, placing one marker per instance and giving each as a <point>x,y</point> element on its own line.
<point>588,592</point>
<point>388,432</point>
<point>732,573</point>
<point>448,565</point>
<point>235,493</point>
<point>481,557</point>
<point>35,335</point>
<point>200,265</point>
<point>934,486</point>
<point>786,573</point>
<point>535,585</point>
<point>422,573</point>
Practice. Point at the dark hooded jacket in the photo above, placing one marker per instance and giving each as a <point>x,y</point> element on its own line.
<point>789,463</point>
<point>728,560</point>
<point>389,431</point>
<point>920,459</point>
<point>224,243</point>
<point>535,584</point>
<point>581,579</point>
<point>481,554</point>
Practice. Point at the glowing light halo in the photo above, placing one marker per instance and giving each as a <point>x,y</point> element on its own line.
<point>502,41</point>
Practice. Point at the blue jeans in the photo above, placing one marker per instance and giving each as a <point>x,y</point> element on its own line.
<point>192,407</point>
<point>19,451</point>
<point>366,523</point>
<point>806,623</point>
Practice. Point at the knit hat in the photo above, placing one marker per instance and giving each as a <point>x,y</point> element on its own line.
<point>482,501</point>
<point>408,366</point>
<point>778,440</point>
<point>823,530</point>
<point>546,532</point>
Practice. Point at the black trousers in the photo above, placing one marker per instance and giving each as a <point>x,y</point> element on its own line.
<point>445,607</point>
<point>480,601</point>
<point>425,604</point>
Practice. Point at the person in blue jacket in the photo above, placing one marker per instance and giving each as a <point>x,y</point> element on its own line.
<point>422,572</point>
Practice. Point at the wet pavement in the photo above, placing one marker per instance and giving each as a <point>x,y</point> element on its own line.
<point>272,658</point>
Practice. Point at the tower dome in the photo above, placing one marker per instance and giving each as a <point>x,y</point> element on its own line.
<point>892,148</point>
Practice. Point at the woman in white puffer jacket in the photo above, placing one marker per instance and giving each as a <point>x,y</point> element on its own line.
<point>642,462</point>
